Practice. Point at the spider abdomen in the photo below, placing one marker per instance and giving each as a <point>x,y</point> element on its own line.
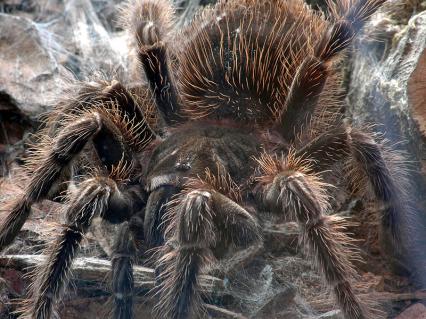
<point>240,58</point>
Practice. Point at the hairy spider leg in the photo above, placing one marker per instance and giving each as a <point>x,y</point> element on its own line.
<point>342,143</point>
<point>51,277</point>
<point>154,222</point>
<point>124,251</point>
<point>110,95</point>
<point>150,22</point>
<point>68,144</point>
<point>198,219</point>
<point>313,72</point>
<point>290,187</point>
<point>103,129</point>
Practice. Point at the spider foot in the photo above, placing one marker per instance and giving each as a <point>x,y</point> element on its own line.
<point>112,87</point>
<point>149,20</point>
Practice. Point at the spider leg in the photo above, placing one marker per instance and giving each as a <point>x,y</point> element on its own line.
<point>290,187</point>
<point>314,70</point>
<point>150,23</point>
<point>122,273</point>
<point>66,146</point>
<point>369,156</point>
<point>108,94</point>
<point>90,200</point>
<point>195,229</point>
<point>153,226</point>
<point>326,148</point>
<point>70,142</point>
<point>340,143</point>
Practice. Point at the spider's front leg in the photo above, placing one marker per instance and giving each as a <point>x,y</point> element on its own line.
<point>106,130</point>
<point>92,199</point>
<point>289,186</point>
<point>150,22</point>
<point>199,219</point>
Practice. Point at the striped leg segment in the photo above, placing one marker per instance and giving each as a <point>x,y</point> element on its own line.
<point>150,21</point>
<point>372,160</point>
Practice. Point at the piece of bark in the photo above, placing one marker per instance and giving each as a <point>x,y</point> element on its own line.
<point>94,270</point>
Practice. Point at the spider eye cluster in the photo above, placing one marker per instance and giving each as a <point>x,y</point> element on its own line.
<point>183,165</point>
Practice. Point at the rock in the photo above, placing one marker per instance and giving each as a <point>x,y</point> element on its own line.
<point>381,72</point>
<point>416,311</point>
<point>40,40</point>
<point>33,9</point>
<point>36,55</point>
<point>107,13</point>
<point>379,79</point>
<point>28,69</point>
<point>90,46</point>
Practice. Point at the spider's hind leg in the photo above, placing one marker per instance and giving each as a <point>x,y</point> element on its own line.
<point>150,22</point>
<point>315,69</point>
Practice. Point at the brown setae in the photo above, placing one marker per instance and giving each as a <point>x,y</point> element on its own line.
<point>242,116</point>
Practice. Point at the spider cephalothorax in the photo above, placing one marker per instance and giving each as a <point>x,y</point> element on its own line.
<point>242,116</point>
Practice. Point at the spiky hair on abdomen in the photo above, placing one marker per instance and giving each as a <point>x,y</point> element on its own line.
<point>238,59</point>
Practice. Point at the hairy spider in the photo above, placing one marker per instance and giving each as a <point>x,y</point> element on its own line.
<point>243,116</point>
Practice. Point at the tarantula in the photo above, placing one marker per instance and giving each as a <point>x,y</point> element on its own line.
<point>243,116</point>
